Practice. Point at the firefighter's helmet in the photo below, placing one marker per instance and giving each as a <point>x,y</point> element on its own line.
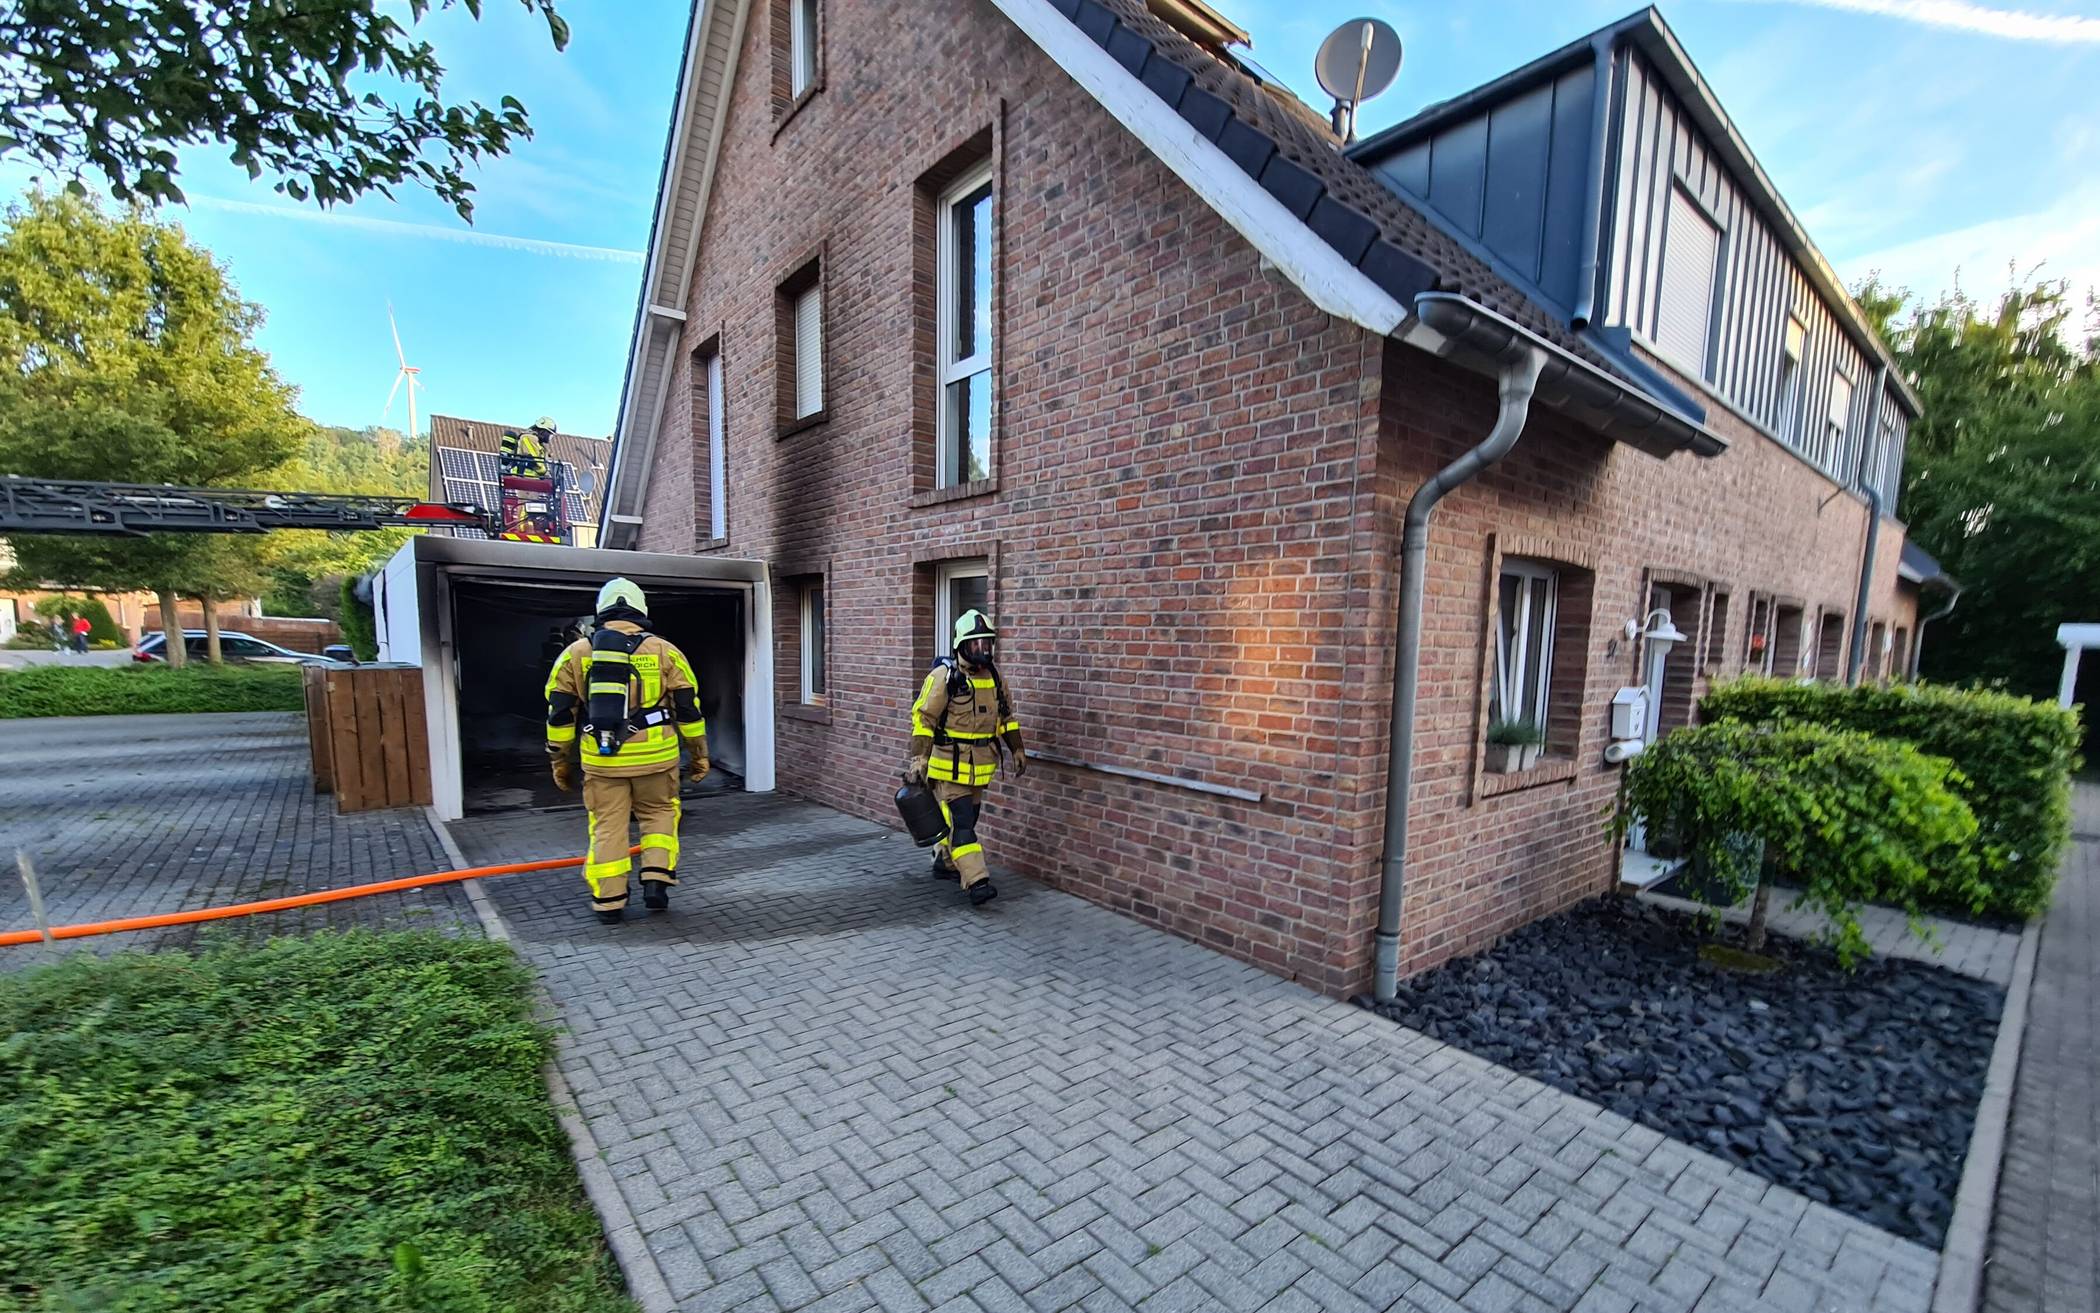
<point>622,592</point>
<point>973,627</point>
<point>544,424</point>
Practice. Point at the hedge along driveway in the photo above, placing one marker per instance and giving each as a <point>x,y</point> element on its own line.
<point>2015,756</point>
<point>140,690</point>
<point>352,1122</point>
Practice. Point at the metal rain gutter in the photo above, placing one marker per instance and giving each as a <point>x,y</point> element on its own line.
<point>1521,364</point>
<point>1593,190</point>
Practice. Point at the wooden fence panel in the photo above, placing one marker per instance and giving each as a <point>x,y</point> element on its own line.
<point>377,737</point>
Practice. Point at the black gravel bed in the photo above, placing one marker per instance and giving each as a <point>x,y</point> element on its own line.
<point>1857,1089</point>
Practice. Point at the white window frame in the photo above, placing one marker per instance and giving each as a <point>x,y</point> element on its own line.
<point>802,47</point>
<point>1793,345</point>
<point>1522,667</point>
<point>717,453</point>
<point>812,603</point>
<point>1836,426</point>
<point>809,365</point>
<point>948,368</point>
<point>1701,368</point>
<point>944,595</point>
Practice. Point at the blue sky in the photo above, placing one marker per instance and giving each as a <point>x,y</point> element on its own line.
<point>1911,136</point>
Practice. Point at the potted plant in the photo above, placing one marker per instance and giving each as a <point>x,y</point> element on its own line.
<point>1513,745</point>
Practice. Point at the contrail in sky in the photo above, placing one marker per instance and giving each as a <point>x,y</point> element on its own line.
<point>427,231</point>
<point>1963,16</point>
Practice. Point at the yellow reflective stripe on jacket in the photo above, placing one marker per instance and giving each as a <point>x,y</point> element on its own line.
<point>970,737</point>
<point>561,733</point>
<point>960,772</point>
<point>635,752</point>
<point>693,730</point>
<point>1010,727</point>
<point>554,676</point>
<point>920,729</point>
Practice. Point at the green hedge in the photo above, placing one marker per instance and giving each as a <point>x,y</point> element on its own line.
<point>140,690</point>
<point>2015,757</point>
<point>1848,817</point>
<point>346,1122</point>
<point>360,630</point>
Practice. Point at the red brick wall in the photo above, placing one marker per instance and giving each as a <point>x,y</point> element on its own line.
<point>1192,523</point>
<point>1483,862</point>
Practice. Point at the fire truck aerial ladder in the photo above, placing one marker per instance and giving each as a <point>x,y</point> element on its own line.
<point>68,506</point>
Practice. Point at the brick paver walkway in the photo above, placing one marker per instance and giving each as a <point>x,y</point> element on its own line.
<point>138,815</point>
<point>824,1082</point>
<point>2045,1233</point>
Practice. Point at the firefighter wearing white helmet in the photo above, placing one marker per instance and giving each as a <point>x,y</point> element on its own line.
<point>626,702</point>
<point>964,712</point>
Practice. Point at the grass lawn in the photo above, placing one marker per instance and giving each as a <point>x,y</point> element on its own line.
<point>142,690</point>
<point>345,1122</point>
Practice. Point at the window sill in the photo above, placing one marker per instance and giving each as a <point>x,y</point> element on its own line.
<point>816,713</point>
<point>803,425</point>
<point>787,115</point>
<point>1556,770</point>
<point>710,544</point>
<point>959,492</point>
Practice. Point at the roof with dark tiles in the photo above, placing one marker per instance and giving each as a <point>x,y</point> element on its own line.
<point>1300,163</point>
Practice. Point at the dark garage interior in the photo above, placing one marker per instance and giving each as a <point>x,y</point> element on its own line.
<point>508,635</point>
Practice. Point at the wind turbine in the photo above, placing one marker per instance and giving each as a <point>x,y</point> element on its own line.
<point>408,375</point>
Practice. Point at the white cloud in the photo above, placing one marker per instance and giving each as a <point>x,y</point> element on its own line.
<point>422,231</point>
<point>2060,241</point>
<point>1962,16</point>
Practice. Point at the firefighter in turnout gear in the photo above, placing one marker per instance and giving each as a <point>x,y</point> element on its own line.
<point>627,699</point>
<point>963,715</point>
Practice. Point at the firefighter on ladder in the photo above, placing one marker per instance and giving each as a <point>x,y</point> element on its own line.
<point>962,714</point>
<point>628,699</point>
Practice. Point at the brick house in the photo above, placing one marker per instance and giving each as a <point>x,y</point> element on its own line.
<point>1057,307</point>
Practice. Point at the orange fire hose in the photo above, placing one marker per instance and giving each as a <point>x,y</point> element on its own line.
<point>14,938</point>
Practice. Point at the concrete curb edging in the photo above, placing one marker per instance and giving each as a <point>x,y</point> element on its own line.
<point>645,1280</point>
<point>1960,1285</point>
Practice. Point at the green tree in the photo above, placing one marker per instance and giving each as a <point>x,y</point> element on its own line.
<point>343,461</point>
<point>113,87</point>
<point>2001,480</point>
<point>126,355</point>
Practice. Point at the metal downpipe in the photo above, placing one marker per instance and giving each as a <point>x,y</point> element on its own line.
<point>1593,190</point>
<point>1917,642</point>
<point>1518,378</point>
<point>1855,655</point>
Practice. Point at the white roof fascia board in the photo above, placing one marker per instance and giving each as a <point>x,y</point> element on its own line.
<point>1331,282</point>
<point>641,405</point>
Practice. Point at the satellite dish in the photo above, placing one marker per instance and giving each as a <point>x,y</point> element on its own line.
<point>587,482</point>
<point>1357,61</point>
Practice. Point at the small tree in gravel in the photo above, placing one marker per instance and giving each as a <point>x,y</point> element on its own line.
<point>1847,817</point>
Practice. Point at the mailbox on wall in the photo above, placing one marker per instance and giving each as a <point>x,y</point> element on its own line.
<point>1629,714</point>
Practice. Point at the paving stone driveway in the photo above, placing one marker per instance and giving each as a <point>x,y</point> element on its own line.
<point>139,815</point>
<point>824,1082</point>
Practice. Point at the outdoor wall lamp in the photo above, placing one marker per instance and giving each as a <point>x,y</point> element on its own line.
<point>1662,631</point>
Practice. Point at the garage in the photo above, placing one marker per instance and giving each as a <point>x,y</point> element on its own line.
<point>485,621</point>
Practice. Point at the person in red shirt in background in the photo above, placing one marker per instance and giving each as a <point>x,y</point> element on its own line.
<point>80,633</point>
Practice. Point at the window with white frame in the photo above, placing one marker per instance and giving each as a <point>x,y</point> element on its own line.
<point>959,588</point>
<point>1525,605</point>
<point>1691,281</point>
<point>1786,421</point>
<point>812,627</point>
<point>809,351</point>
<point>802,46</point>
<point>1831,452</point>
<point>963,329</point>
<point>717,454</point>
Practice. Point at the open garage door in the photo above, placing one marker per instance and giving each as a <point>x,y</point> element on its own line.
<point>490,617</point>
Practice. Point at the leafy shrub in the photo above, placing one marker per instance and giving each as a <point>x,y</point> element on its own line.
<point>346,1122</point>
<point>359,629</point>
<point>1850,817</point>
<point>101,628</point>
<point>138,690</point>
<point>2015,757</point>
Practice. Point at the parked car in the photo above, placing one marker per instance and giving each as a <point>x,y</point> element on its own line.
<point>233,646</point>
<point>340,652</point>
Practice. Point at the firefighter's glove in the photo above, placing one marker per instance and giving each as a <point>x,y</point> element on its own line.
<point>564,773</point>
<point>1020,760</point>
<point>915,770</point>
<point>701,765</point>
